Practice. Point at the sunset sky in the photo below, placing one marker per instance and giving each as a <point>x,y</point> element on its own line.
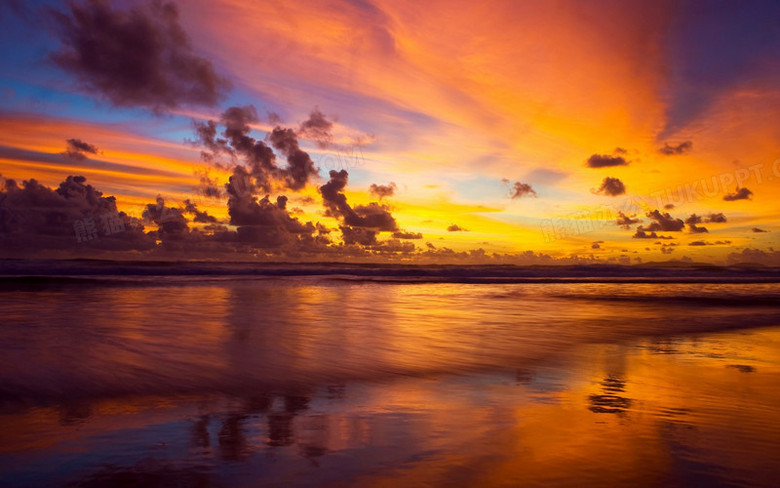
<point>613,131</point>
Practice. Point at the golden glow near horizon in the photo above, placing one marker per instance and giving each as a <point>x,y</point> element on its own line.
<point>452,99</point>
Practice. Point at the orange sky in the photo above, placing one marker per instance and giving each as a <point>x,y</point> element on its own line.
<point>451,99</point>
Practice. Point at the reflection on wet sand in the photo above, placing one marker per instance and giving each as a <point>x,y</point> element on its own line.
<point>677,417</point>
<point>610,401</point>
<point>226,337</point>
<point>379,385</point>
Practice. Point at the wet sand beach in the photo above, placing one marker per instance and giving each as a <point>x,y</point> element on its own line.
<point>303,381</point>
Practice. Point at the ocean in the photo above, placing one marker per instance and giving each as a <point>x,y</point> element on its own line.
<point>246,374</point>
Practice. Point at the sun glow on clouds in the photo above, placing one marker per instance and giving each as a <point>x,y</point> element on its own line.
<point>445,99</point>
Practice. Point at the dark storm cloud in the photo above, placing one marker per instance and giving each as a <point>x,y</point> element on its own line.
<point>716,218</point>
<point>664,222</point>
<point>77,220</point>
<point>625,221</point>
<point>611,187</point>
<point>34,217</point>
<point>198,216</point>
<point>693,219</point>
<point>407,235</point>
<point>235,143</point>
<point>244,208</point>
<point>706,243</point>
<point>673,150</point>
<point>317,128</point>
<point>358,235</point>
<point>394,246</point>
<point>741,194</point>
<point>274,118</point>
<point>694,229</point>
<point>265,223</point>
<point>456,228</point>
<point>139,57</point>
<point>259,157</point>
<point>372,216</point>
<point>643,233</point>
<point>749,255</point>
<point>170,221</point>
<point>300,167</point>
<point>206,133</point>
<point>77,149</point>
<point>360,224</point>
<point>520,190</point>
<point>756,229</point>
<point>606,161</point>
<point>382,191</point>
<point>669,206</point>
<point>333,196</point>
<point>208,187</point>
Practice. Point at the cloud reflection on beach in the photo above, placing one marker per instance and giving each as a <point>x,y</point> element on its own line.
<point>336,383</point>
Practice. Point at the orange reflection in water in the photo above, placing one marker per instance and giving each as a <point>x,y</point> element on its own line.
<point>216,382</point>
